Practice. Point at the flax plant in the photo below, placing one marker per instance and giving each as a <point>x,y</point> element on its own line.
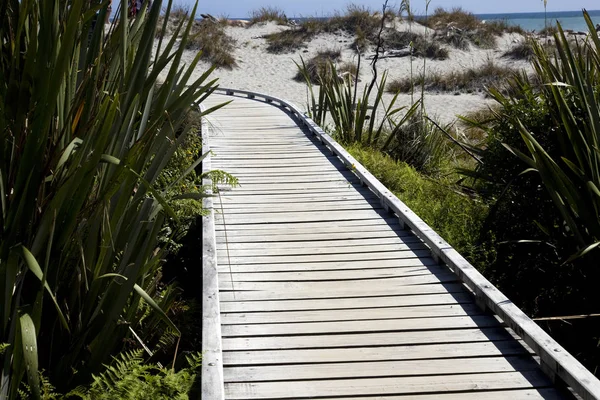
<point>85,131</point>
<point>355,117</point>
<point>571,80</point>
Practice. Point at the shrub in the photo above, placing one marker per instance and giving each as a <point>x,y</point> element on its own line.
<point>542,181</point>
<point>215,45</point>
<point>440,203</point>
<point>268,14</point>
<point>320,67</point>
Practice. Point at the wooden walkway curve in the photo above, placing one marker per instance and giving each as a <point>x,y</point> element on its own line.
<point>325,293</point>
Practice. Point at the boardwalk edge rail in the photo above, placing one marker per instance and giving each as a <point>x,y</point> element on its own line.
<point>555,361</point>
<point>212,352</point>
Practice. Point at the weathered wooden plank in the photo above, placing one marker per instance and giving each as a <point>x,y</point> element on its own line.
<point>415,262</point>
<point>386,386</point>
<point>443,323</point>
<point>340,291</point>
<point>350,226</point>
<point>324,257</point>
<point>239,243</point>
<point>449,337</point>
<point>346,303</point>
<point>228,274</point>
<point>231,199</point>
<point>523,394</point>
<point>297,207</point>
<point>380,369</point>
<point>387,353</point>
<point>298,251</point>
<point>393,282</point>
<point>359,314</point>
<point>262,238</point>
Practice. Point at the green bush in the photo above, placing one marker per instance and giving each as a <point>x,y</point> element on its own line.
<point>455,216</point>
<point>543,206</point>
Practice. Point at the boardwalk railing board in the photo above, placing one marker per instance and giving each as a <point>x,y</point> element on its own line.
<point>213,387</point>
<point>555,360</point>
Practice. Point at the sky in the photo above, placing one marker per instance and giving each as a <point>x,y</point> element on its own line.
<point>318,8</point>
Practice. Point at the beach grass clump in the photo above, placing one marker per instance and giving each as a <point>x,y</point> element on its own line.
<point>421,47</point>
<point>320,67</point>
<point>216,45</point>
<point>459,28</point>
<point>521,51</point>
<point>268,14</point>
<point>350,68</point>
<point>288,41</point>
<point>355,20</point>
<point>470,80</point>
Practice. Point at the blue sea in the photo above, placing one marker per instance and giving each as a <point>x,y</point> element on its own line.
<point>536,21</point>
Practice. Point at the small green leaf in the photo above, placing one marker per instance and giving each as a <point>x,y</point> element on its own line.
<point>30,354</point>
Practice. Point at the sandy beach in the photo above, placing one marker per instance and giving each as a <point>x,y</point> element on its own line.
<point>258,70</point>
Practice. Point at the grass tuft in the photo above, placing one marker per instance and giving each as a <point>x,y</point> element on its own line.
<point>287,41</point>
<point>470,80</point>
<point>521,51</point>
<point>459,28</point>
<point>268,14</point>
<point>394,39</point>
<point>217,47</point>
<point>320,67</point>
<point>358,21</point>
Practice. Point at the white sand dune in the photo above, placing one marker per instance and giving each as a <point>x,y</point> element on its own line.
<point>273,74</point>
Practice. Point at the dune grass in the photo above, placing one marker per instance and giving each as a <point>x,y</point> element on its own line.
<point>215,45</point>
<point>461,28</point>
<point>268,14</point>
<point>521,51</point>
<point>470,80</point>
<point>357,20</point>
<point>320,67</point>
<point>288,41</point>
<point>393,39</point>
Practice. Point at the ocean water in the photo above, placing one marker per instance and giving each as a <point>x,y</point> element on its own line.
<point>535,21</point>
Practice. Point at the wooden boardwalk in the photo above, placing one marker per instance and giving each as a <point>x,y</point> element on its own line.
<point>324,295</point>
